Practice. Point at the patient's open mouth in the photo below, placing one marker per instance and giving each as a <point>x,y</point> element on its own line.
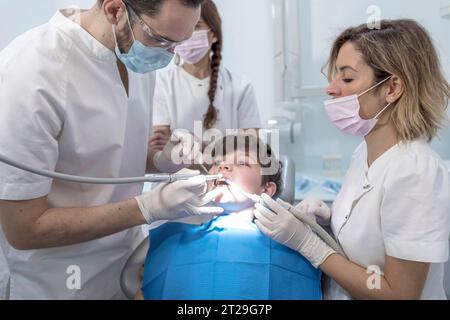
<point>220,182</point>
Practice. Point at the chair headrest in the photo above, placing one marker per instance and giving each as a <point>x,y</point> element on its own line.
<point>288,179</point>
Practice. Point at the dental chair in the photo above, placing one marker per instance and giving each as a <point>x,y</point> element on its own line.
<point>130,276</point>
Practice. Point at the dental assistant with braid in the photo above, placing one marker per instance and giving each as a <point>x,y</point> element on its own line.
<point>200,89</point>
<point>392,216</point>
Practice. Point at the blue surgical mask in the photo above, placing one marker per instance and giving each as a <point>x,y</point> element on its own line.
<point>143,59</point>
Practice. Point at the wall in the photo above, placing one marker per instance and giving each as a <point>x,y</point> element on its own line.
<point>319,32</point>
<point>19,16</point>
<point>248,45</point>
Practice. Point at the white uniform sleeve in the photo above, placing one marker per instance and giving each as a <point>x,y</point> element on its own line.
<point>161,116</point>
<point>152,80</point>
<point>31,119</point>
<point>248,112</point>
<point>415,212</point>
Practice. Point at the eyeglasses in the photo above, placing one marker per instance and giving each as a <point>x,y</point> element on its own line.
<point>160,41</point>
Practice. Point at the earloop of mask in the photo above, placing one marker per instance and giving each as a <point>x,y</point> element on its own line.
<point>374,86</point>
<point>131,28</point>
<point>384,109</point>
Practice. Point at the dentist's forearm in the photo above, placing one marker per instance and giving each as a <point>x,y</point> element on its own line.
<point>27,229</point>
<point>86,224</point>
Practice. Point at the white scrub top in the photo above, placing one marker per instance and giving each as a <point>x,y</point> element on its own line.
<point>181,99</point>
<point>401,208</point>
<point>64,108</point>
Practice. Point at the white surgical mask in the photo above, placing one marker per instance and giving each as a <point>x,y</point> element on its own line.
<point>143,59</point>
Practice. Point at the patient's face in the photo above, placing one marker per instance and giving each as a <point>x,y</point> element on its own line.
<point>244,171</point>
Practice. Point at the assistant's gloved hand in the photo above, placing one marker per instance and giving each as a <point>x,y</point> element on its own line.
<point>282,226</point>
<point>315,209</point>
<point>171,201</point>
<point>181,151</point>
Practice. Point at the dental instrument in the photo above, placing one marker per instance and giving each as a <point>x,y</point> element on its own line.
<point>255,198</point>
<point>202,166</point>
<point>90,180</point>
<point>322,233</point>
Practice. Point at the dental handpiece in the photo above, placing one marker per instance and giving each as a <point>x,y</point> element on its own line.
<point>178,177</point>
<point>322,233</point>
<point>91,180</point>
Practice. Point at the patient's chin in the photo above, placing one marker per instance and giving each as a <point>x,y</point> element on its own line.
<point>232,202</point>
<point>228,196</point>
<point>235,207</point>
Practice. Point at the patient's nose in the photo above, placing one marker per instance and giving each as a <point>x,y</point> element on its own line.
<point>225,167</point>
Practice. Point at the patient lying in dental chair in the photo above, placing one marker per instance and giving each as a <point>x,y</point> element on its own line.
<point>228,258</point>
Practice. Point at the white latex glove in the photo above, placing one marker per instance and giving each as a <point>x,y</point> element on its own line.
<point>180,199</point>
<point>282,226</point>
<point>315,209</point>
<point>182,151</point>
<point>197,220</point>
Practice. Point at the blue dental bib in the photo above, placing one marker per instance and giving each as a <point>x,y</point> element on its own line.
<point>226,259</point>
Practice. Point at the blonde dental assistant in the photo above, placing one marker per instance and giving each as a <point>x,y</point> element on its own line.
<point>75,98</point>
<point>201,89</point>
<point>393,212</point>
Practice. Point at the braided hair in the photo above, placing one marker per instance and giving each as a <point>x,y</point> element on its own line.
<point>211,16</point>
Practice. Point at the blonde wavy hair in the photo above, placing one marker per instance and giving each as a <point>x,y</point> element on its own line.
<point>405,49</point>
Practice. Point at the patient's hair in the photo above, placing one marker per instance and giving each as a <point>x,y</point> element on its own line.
<point>270,165</point>
<point>151,7</point>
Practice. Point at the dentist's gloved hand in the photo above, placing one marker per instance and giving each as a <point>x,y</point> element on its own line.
<point>315,209</point>
<point>181,151</point>
<point>180,199</point>
<point>282,226</point>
